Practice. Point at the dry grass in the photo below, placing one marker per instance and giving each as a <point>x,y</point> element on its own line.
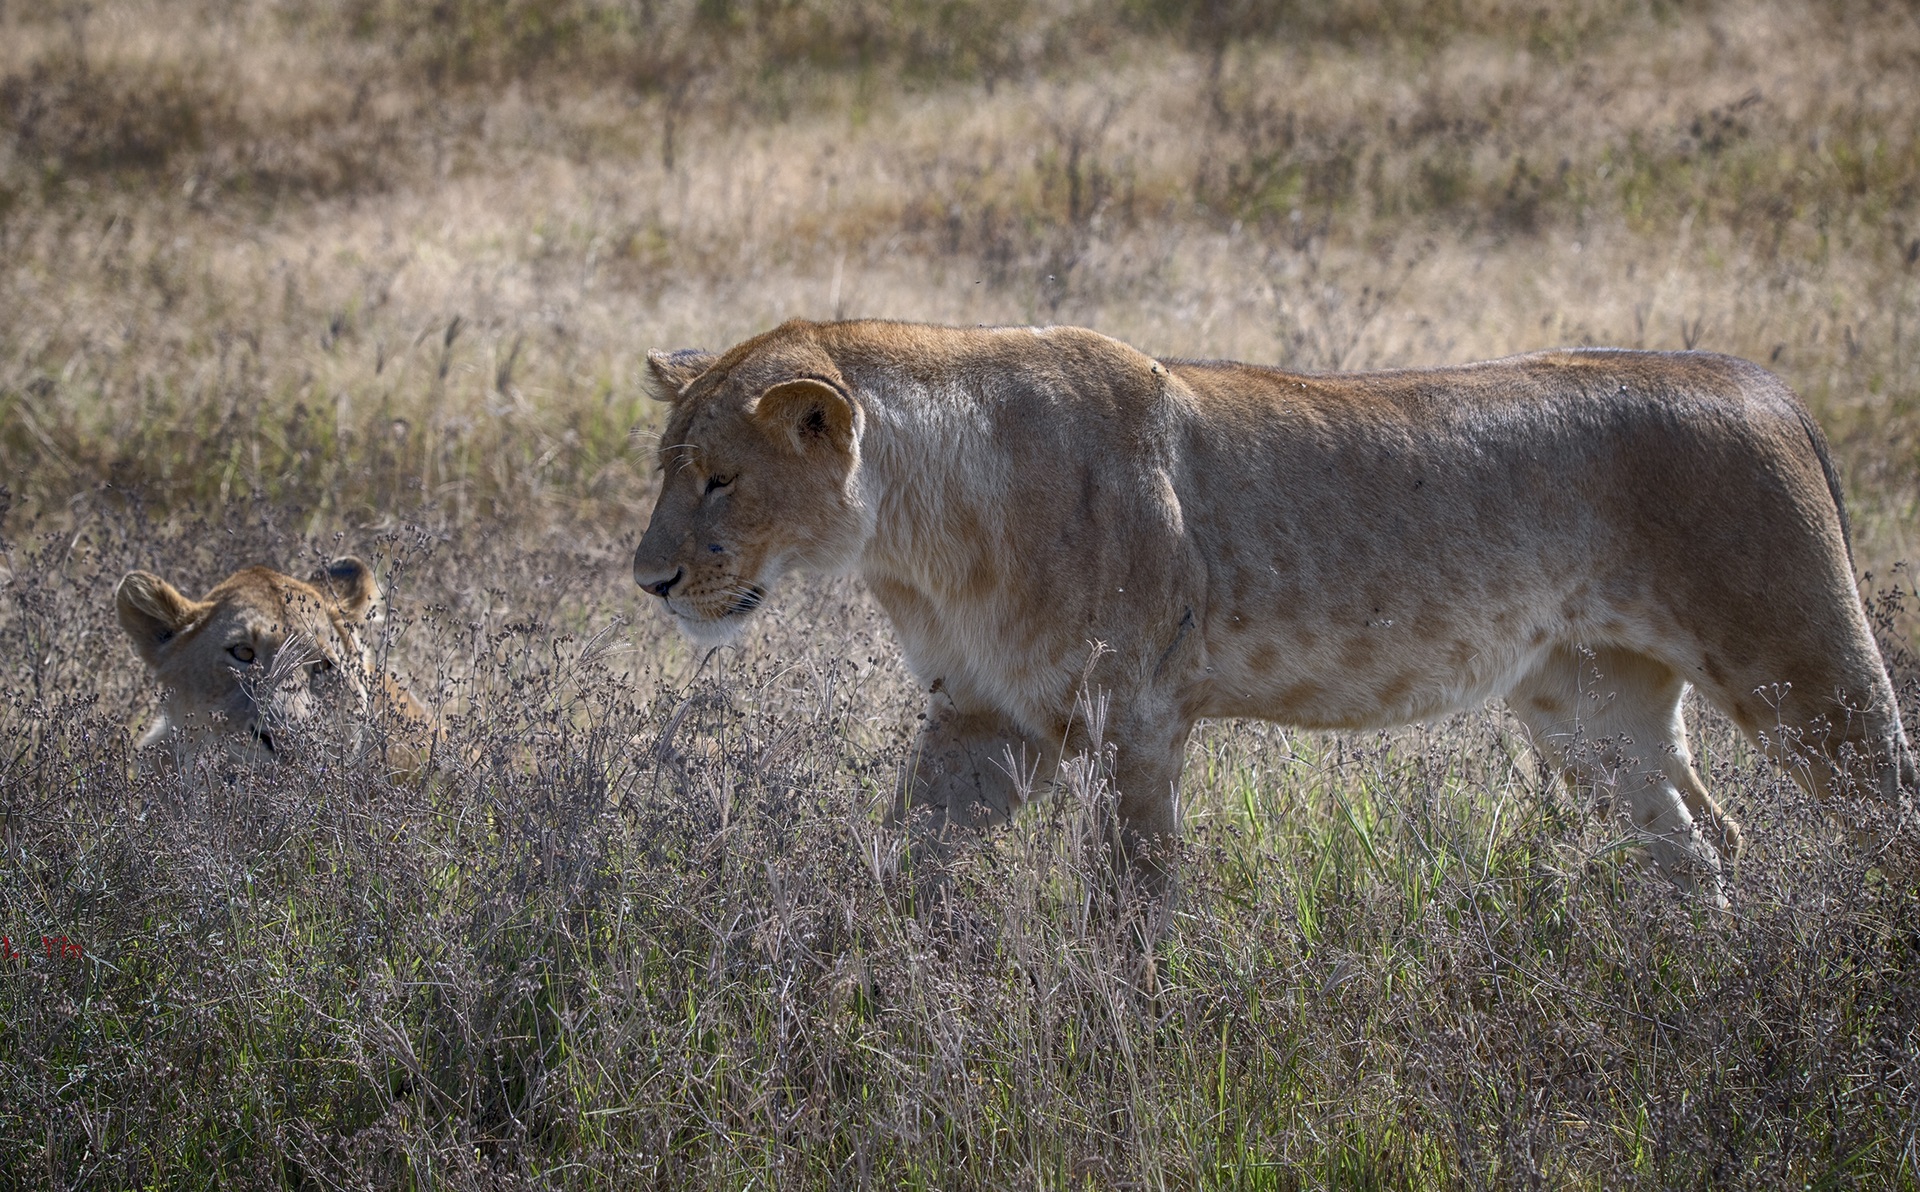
<point>284,277</point>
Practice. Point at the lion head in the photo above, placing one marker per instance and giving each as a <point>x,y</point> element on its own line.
<point>760,475</point>
<point>260,659</point>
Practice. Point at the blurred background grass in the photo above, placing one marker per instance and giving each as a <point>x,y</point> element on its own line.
<point>281,278</point>
<point>365,254</point>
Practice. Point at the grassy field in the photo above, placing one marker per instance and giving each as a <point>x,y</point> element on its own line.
<point>281,279</point>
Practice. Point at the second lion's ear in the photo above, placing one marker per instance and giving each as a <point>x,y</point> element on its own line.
<point>669,373</point>
<point>349,583</point>
<point>810,414</point>
<point>153,612</point>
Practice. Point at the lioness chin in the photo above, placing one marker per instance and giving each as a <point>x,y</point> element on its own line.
<point>1582,533</point>
<point>261,660</point>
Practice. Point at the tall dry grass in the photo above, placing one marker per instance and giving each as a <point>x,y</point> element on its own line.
<point>285,278</point>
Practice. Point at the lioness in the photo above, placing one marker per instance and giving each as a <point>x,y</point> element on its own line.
<point>1582,533</point>
<point>263,654</point>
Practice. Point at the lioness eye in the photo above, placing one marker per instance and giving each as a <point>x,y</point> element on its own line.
<point>714,482</point>
<point>241,653</point>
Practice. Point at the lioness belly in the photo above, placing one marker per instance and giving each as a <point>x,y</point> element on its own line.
<point>1374,678</point>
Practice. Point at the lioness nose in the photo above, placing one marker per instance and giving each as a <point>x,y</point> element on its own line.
<point>660,587</point>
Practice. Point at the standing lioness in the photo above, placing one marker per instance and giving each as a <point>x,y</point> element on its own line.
<point>1582,533</point>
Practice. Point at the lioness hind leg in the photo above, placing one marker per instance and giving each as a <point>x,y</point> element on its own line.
<point>1827,715</point>
<point>1612,718</point>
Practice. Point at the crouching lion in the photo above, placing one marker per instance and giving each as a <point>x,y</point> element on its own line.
<point>1043,511</point>
<point>263,657</point>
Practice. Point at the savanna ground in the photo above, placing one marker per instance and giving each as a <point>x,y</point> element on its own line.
<point>282,278</point>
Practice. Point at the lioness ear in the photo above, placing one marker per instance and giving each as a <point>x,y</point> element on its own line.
<point>669,373</point>
<point>152,611</point>
<point>809,413</point>
<point>349,584</point>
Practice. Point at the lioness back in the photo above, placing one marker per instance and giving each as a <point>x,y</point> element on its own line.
<point>1049,513</point>
<point>1426,531</point>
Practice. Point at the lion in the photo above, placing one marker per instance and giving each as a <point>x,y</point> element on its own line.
<point>262,657</point>
<point>1047,512</point>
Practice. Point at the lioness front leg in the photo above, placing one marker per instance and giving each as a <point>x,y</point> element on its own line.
<point>971,769</point>
<point>1148,757</point>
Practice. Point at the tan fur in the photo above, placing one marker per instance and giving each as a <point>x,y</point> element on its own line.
<point>1580,532</point>
<point>245,669</point>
